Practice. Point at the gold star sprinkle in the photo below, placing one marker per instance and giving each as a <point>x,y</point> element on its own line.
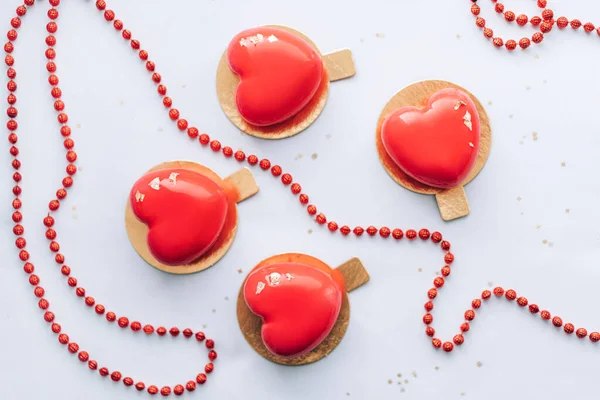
<point>139,197</point>
<point>389,381</point>
<point>399,375</point>
<point>479,364</point>
<point>309,231</point>
<point>314,156</point>
<point>458,36</point>
<point>518,198</point>
<point>299,156</point>
<point>489,103</point>
<point>563,164</point>
<point>420,269</point>
<point>567,210</point>
<point>538,227</point>
<point>239,271</point>
<point>544,241</point>
<point>534,134</point>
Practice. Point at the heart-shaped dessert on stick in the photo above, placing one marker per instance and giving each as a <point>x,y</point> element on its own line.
<point>273,82</point>
<point>293,308</point>
<point>181,217</point>
<point>434,137</point>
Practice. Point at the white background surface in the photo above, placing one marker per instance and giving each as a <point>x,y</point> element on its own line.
<point>121,130</point>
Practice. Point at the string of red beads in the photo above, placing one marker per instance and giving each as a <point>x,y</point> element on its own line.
<point>54,205</point>
<point>545,23</point>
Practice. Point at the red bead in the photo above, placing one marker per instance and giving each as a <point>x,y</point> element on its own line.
<point>436,237</point>
<point>432,293</point>
<point>200,336</point>
<point>475,10</point>
<point>557,321</point>
<point>127,381</point>
<point>20,243</point>
<point>126,34</point>
<point>227,151</point>
<point>476,303</point>
<point>168,102</point>
<point>464,327</point>
<point>488,33</point>
<point>358,231</point>
<point>210,344</point>
<point>240,156</point>
<point>522,301</point>
<point>589,27</point>
<point>161,331</point>
<point>384,232</point>
<point>303,199</point>
<point>469,315</point>
<point>595,337</point>
<point>510,295</point>
<point>165,391</point>
<point>80,292</point>
<point>429,331</point>
<point>537,37</point>
<point>123,322</point>
<point>178,390</point>
<point>9,60</point>
<point>522,19</point>
<point>332,226</point>
<point>56,328</point>
<point>21,10</point>
<point>424,234</point>
<point>204,139</point>
<point>12,99</point>
<point>345,230</point>
<point>118,25</point>
<point>546,27</point>
<point>312,210</point>
<point>498,42</point>
<point>446,270</point>
<point>110,316</point>
<point>93,365</point>
<point>286,179</point>
<point>448,347</point>
<point>182,124</point>
<point>437,343</point>
<point>562,22</point>
<point>156,77</point>
<point>371,231</point>
<point>65,270</point>
<point>498,291</point>
<point>9,47</point>
<point>547,14</point>
<point>546,315</point>
<point>252,159</point>
<point>215,145</point>
<point>449,258</point>
<point>208,368</point>
<point>499,8</point>
<point>150,66</point>
<point>428,306</point>
<point>427,319</point>
<point>212,355</point>
<point>480,22</point>
<point>140,386</point>
<point>100,309</point>
<point>411,234</point>
<point>542,3</point>
<point>39,292</point>
<point>17,216</point>
<point>581,333</point>
<point>201,379</point>
<point>135,326</point>
<point>438,282</point>
<point>276,170</point>
<point>174,331</point>
<point>135,44</point>
<point>190,386</point>
<point>576,24</point>
<point>115,376</point>
<point>148,329</point>
<point>83,356</point>
<point>509,16</point>
<point>34,280</point>
<point>100,5</point>
<point>458,339</point>
<point>152,390</point>
<point>89,301</point>
<point>63,339</point>
<point>535,21</point>
<point>569,328</point>
<point>445,245</point>
<point>18,230</point>
<point>173,114</point>
<point>397,234</point>
<point>49,316</point>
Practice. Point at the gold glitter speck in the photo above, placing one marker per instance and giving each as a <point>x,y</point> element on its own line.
<point>155,183</point>
<point>239,271</point>
<point>420,269</point>
<point>458,104</point>
<point>139,197</point>
<point>534,134</point>
<point>544,241</point>
<point>479,364</point>
<point>467,120</point>
<point>289,277</point>
<point>173,177</point>
<point>314,156</point>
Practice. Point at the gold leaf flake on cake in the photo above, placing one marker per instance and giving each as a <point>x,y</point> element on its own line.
<point>467,120</point>
<point>458,104</point>
<point>155,183</point>
<point>173,177</point>
<point>139,197</point>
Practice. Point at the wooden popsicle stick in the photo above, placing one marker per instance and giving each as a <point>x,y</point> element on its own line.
<point>452,203</point>
<point>354,273</point>
<point>339,64</point>
<point>244,181</point>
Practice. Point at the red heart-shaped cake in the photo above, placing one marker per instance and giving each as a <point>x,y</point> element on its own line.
<point>298,303</point>
<point>184,210</point>
<point>279,74</point>
<point>438,144</point>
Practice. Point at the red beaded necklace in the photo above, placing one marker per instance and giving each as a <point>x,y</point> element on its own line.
<point>545,23</point>
<point>215,146</point>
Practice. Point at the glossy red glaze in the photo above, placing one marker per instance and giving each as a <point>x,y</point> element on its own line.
<point>185,212</point>
<point>298,310</point>
<point>279,74</point>
<point>435,144</point>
